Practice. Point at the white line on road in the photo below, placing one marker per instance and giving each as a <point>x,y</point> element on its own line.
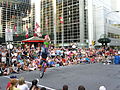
<point>31,83</point>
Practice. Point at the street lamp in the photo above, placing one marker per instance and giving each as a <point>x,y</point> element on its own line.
<point>106,16</point>
<point>104,40</point>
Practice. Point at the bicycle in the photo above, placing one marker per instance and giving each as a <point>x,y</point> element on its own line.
<point>42,69</point>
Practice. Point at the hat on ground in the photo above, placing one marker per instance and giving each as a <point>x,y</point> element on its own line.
<point>102,88</point>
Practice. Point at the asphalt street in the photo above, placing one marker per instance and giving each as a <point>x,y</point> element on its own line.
<point>92,76</point>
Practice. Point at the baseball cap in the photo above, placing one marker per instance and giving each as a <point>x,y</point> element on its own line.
<point>13,76</point>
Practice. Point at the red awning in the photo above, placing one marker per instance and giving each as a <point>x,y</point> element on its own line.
<point>33,39</point>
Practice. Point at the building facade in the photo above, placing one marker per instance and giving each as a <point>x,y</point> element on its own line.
<point>12,13</point>
<point>105,21</point>
<point>65,21</point>
<point>79,22</point>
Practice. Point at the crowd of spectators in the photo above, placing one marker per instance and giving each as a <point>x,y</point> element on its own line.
<point>20,84</point>
<point>28,59</point>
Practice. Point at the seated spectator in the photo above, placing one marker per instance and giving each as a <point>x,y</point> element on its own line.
<point>31,67</point>
<point>3,58</point>
<point>1,69</point>
<point>25,67</point>
<point>83,59</point>
<point>34,85</point>
<point>65,87</point>
<point>81,87</point>
<point>74,61</point>
<point>13,84</point>
<point>92,60</point>
<point>35,63</point>
<point>43,88</point>
<point>15,67</point>
<point>6,70</point>
<point>14,59</point>
<point>9,83</point>
<point>19,56</point>
<point>64,61</point>
<point>51,63</point>
<point>22,85</point>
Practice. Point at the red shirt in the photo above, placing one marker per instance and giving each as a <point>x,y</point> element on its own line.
<point>8,85</point>
<point>63,60</point>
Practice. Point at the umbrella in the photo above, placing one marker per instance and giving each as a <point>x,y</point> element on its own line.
<point>104,40</point>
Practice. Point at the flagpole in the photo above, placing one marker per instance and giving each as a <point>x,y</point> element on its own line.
<point>62,28</point>
<point>6,17</point>
<point>6,25</point>
<point>54,19</point>
<point>6,33</point>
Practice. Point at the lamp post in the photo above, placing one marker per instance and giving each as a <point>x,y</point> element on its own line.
<point>106,16</point>
<point>104,40</point>
<point>8,33</point>
<point>106,27</point>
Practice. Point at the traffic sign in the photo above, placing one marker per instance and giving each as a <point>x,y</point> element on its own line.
<point>8,35</point>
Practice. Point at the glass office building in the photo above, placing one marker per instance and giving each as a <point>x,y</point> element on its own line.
<point>11,14</point>
<point>65,21</point>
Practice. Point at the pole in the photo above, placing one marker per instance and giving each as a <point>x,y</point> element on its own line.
<point>54,19</point>
<point>6,27</point>
<point>106,25</point>
<point>62,27</point>
<point>9,54</point>
<point>7,39</point>
<point>106,22</point>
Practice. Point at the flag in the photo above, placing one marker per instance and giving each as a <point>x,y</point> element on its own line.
<point>36,26</point>
<point>47,38</point>
<point>10,4</point>
<point>15,30</point>
<point>6,3</point>
<point>39,34</point>
<point>26,35</point>
<point>35,34</point>
<point>26,27</point>
<point>61,19</point>
<point>15,27</point>
<point>54,22</point>
<point>2,3</point>
<point>46,22</point>
<point>8,30</point>
<point>16,34</point>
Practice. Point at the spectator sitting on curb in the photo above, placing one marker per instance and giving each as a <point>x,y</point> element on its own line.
<point>65,87</point>
<point>81,87</point>
<point>34,85</point>
<point>1,69</point>
<point>13,84</point>
<point>43,88</point>
<point>22,85</point>
<point>9,84</point>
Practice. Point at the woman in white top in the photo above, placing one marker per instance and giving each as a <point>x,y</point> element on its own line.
<point>22,85</point>
<point>3,59</point>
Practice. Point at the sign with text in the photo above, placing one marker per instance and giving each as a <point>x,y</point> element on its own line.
<point>8,35</point>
